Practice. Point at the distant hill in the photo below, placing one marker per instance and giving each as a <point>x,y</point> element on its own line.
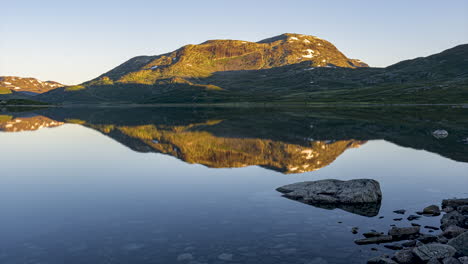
<point>26,86</point>
<point>289,68</point>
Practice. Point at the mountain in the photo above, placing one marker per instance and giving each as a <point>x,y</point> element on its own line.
<point>228,55</point>
<point>26,86</point>
<point>146,76</point>
<point>289,68</point>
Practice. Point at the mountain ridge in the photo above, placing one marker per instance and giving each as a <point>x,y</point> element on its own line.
<point>203,59</point>
<point>289,68</point>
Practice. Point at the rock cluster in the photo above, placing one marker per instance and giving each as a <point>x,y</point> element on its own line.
<point>450,247</point>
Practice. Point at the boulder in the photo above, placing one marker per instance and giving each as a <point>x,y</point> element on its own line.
<point>432,210</point>
<point>410,243</point>
<point>405,256</point>
<point>453,231</point>
<point>425,238</point>
<point>381,260</point>
<point>374,240</point>
<point>394,246</point>
<point>334,191</point>
<point>454,202</point>
<point>463,209</point>
<point>372,234</point>
<point>441,239</point>
<point>433,261</point>
<point>460,243</point>
<point>438,251</point>
<point>463,260</point>
<point>450,260</point>
<point>403,232</point>
<point>453,218</point>
<point>360,196</point>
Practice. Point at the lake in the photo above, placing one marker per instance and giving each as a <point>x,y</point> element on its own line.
<point>198,185</point>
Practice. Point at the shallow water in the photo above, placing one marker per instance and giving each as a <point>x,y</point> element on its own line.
<point>152,187</point>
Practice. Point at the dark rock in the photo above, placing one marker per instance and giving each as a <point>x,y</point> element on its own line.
<point>448,209</point>
<point>361,196</point>
<point>438,251</point>
<point>432,210</point>
<point>381,260</point>
<point>403,232</point>
<point>374,240</point>
<point>410,243</point>
<point>460,243</point>
<point>463,260</point>
<point>453,231</point>
<point>463,209</point>
<point>397,219</point>
<point>452,218</point>
<point>401,211</point>
<point>415,224</point>
<point>372,234</point>
<point>433,261</point>
<point>381,217</point>
<point>405,256</point>
<point>394,246</point>
<point>431,227</point>
<point>450,260</point>
<point>355,230</point>
<point>425,238</point>
<point>454,202</point>
<point>441,239</point>
<point>413,217</point>
<point>374,249</point>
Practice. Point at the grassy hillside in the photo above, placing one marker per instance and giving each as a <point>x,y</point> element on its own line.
<point>440,78</point>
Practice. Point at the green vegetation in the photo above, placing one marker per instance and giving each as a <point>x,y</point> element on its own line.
<point>5,90</point>
<point>75,88</point>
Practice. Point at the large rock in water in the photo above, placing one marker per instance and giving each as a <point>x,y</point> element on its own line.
<point>334,191</point>
<point>360,196</point>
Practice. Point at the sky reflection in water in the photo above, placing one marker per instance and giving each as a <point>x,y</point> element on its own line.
<point>72,195</point>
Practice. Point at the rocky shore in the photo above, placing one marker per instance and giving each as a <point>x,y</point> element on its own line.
<point>412,246</point>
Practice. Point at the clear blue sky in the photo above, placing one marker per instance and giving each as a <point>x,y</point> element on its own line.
<point>74,41</point>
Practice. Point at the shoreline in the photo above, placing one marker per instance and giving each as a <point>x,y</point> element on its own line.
<point>241,105</point>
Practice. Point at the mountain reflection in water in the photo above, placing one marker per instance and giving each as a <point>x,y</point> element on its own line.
<point>286,140</point>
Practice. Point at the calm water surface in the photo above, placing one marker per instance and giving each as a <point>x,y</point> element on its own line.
<point>150,187</point>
